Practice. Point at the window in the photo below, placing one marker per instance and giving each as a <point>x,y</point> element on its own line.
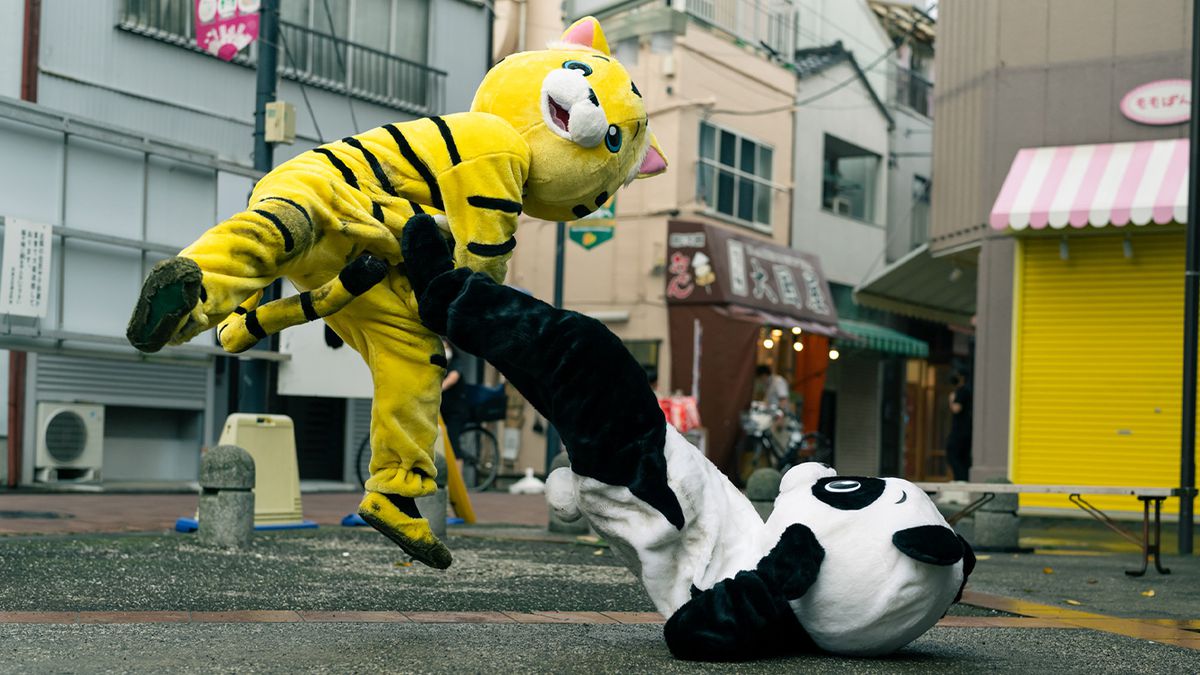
<point>920,210</point>
<point>646,354</point>
<point>848,188</point>
<point>375,48</point>
<point>734,176</point>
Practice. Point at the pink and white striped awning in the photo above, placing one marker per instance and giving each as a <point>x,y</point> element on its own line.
<point>1098,185</point>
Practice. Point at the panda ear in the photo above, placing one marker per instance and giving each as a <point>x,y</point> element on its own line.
<point>933,544</point>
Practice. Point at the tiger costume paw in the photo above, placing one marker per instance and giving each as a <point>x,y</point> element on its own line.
<point>398,519</point>
<point>168,296</point>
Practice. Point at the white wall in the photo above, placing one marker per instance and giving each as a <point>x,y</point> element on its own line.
<point>823,22</point>
<point>12,29</point>
<point>848,248</point>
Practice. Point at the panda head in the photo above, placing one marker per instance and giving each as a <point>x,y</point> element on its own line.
<point>878,518</point>
<point>856,565</point>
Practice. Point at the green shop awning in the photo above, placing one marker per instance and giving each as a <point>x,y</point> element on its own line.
<point>880,338</point>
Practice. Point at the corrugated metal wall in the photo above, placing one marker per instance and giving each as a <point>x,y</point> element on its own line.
<point>120,382</point>
<point>1097,379</point>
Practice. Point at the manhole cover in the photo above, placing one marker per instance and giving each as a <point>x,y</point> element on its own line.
<point>35,515</point>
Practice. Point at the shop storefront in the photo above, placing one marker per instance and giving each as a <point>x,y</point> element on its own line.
<point>734,303</point>
<point>1097,314</point>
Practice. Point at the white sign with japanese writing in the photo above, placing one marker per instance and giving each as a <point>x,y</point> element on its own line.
<point>25,288</point>
<point>1161,102</point>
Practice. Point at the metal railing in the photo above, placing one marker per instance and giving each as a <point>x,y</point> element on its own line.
<point>310,57</point>
<point>762,23</point>
<point>322,60</point>
<point>914,91</point>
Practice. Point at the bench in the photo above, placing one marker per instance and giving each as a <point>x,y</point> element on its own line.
<point>1151,546</point>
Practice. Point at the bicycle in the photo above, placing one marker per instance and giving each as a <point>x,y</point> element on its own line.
<point>477,446</point>
<point>762,449</point>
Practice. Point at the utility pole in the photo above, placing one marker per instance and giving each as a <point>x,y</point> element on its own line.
<point>1191,295</point>
<point>560,238</point>
<point>253,375</point>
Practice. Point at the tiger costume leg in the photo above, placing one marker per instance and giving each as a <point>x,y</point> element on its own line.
<point>292,230</point>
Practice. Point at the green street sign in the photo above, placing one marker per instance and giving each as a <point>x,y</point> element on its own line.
<point>590,236</point>
<point>596,227</point>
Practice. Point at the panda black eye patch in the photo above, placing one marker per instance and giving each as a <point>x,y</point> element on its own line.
<point>848,493</point>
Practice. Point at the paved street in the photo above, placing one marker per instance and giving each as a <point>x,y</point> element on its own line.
<point>516,599</point>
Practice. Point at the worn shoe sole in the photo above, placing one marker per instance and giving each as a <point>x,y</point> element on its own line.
<point>168,295</point>
<point>432,553</point>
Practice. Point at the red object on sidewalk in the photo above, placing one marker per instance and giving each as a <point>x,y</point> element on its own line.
<point>681,412</point>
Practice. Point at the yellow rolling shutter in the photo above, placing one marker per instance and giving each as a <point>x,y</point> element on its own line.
<point>1097,363</point>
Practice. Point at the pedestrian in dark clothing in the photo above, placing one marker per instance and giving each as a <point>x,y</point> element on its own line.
<point>455,408</point>
<point>958,444</point>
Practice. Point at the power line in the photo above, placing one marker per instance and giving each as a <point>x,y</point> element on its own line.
<point>303,90</point>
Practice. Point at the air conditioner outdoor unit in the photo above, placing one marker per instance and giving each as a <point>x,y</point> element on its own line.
<point>70,442</point>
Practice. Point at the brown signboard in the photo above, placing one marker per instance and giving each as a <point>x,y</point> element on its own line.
<point>707,264</point>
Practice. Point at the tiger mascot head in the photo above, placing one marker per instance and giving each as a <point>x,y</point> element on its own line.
<point>582,116</point>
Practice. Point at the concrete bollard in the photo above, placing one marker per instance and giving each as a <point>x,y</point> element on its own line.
<point>997,526</point>
<point>226,512</point>
<point>556,524</point>
<point>762,487</point>
<point>434,507</point>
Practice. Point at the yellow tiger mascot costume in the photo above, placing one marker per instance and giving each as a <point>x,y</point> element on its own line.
<point>552,133</point>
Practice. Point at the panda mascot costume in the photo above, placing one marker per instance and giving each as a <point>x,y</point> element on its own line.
<point>849,565</point>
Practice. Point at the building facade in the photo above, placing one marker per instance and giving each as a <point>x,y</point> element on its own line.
<point>132,142</point>
<point>1069,202</point>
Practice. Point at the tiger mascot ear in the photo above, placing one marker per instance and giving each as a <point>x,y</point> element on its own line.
<point>586,33</point>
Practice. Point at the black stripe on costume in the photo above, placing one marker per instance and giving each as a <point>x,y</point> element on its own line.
<point>306,304</point>
<point>451,147</point>
<point>239,310</point>
<point>580,210</point>
<point>495,203</point>
<point>416,208</point>
<point>288,243</point>
<point>253,327</point>
<point>377,211</point>
<point>347,174</point>
<point>373,161</point>
<point>601,198</point>
<point>435,193</point>
<point>301,209</point>
<point>438,360</point>
<point>492,250</point>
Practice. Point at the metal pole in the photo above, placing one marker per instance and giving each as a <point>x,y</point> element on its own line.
<point>1187,457</point>
<point>560,237</point>
<point>253,375</point>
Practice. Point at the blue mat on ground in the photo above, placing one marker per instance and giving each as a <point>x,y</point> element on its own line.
<point>355,520</point>
<point>191,525</point>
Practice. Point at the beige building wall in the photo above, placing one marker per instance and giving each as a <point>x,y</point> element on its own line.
<point>683,78</point>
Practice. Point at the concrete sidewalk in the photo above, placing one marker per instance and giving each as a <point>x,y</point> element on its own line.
<point>75,513</point>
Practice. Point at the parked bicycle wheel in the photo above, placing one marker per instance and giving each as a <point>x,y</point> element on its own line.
<point>481,457</point>
<point>758,452</point>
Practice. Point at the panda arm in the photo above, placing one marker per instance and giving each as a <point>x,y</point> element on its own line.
<point>749,615</point>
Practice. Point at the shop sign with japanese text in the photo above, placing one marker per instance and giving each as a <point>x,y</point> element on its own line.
<point>709,264</point>
<point>1159,103</point>
<point>226,27</point>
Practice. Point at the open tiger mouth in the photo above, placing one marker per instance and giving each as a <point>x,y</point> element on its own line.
<point>559,115</point>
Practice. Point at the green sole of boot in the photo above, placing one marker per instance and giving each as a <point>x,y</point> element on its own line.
<point>169,293</point>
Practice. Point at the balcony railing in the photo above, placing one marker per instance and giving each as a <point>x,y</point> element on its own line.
<point>322,60</point>
<point>310,57</point>
<point>914,91</point>
<point>769,23</point>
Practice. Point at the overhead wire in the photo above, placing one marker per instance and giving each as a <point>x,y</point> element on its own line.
<point>303,90</point>
<point>341,62</point>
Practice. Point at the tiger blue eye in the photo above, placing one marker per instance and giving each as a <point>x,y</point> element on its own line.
<point>578,65</point>
<point>612,139</point>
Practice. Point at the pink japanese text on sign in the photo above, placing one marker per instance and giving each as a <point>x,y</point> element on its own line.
<point>226,27</point>
<point>1159,103</point>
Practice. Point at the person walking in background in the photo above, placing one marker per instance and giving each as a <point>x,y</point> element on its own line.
<point>455,407</point>
<point>771,389</point>
<point>958,444</point>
